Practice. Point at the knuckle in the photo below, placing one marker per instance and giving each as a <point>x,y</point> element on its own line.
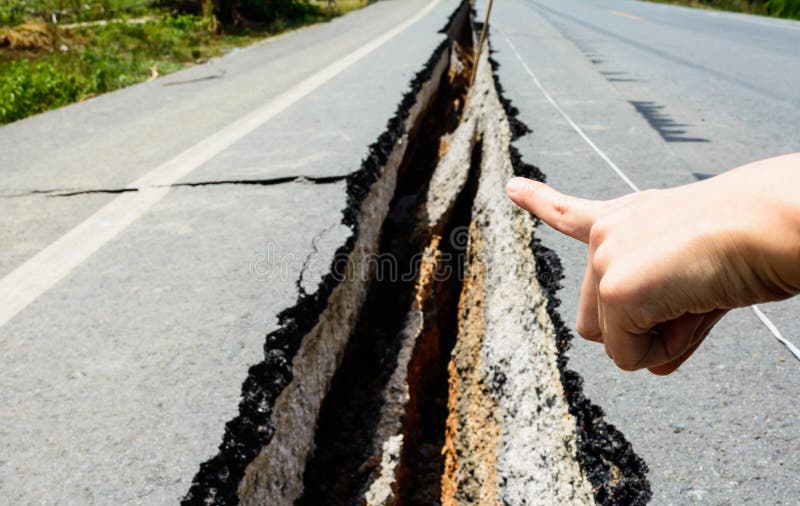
<point>606,290</point>
<point>613,289</point>
<point>561,213</point>
<point>621,358</point>
<point>626,364</point>
<point>587,330</point>
<point>664,370</point>
<point>599,231</point>
<point>601,260</point>
<point>561,205</point>
<point>608,350</point>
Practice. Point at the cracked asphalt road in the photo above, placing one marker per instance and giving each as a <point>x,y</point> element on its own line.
<point>117,381</point>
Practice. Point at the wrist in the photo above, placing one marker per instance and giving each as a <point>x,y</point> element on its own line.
<point>759,216</point>
<point>787,263</point>
<point>776,226</point>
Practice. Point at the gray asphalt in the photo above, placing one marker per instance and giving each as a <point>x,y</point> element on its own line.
<point>116,383</point>
<point>669,94</point>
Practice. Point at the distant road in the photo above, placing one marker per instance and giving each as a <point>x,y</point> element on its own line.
<point>668,95</point>
<point>753,54</point>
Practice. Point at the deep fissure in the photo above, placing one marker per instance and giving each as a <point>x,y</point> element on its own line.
<point>422,460</point>
<point>232,475</point>
<point>352,409</point>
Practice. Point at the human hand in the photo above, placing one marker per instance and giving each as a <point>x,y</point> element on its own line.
<point>665,265</point>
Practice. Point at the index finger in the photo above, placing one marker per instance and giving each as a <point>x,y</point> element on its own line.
<point>569,215</point>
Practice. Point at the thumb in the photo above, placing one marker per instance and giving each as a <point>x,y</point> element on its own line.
<point>569,215</point>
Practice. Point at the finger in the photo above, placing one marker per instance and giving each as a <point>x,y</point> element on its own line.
<point>677,337</point>
<point>637,350</point>
<point>569,215</point>
<point>709,320</point>
<point>588,324</point>
<point>666,369</point>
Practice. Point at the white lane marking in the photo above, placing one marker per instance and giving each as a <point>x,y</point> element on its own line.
<point>39,273</point>
<point>775,332</point>
<point>568,119</point>
<point>761,316</point>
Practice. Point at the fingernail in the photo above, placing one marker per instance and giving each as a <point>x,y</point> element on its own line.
<point>515,185</point>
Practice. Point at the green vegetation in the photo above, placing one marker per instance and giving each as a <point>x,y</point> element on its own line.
<point>776,8</point>
<point>13,12</point>
<point>96,48</point>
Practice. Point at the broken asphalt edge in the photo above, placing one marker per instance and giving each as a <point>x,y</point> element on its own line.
<point>617,474</point>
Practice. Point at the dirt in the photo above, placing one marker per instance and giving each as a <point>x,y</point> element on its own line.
<point>34,39</point>
<point>470,475</point>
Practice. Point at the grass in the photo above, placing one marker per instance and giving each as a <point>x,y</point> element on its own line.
<point>13,12</point>
<point>44,66</point>
<point>789,9</point>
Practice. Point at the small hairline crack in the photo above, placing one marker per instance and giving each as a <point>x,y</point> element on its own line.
<point>252,182</point>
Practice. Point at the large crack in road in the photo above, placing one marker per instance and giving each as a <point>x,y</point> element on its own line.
<point>429,366</point>
<point>356,416</point>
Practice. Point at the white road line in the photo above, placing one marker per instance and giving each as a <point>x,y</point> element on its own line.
<point>569,120</point>
<point>38,274</point>
<point>761,316</point>
<point>775,332</point>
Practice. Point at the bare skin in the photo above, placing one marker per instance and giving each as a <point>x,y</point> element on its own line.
<point>666,265</point>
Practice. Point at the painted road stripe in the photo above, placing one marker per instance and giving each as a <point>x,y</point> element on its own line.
<point>760,314</point>
<point>38,274</point>
<point>569,120</point>
<point>624,15</point>
<point>775,332</point>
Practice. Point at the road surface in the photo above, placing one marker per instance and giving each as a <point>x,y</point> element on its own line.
<point>139,227</point>
<point>668,95</point>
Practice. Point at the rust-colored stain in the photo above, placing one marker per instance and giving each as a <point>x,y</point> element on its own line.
<point>472,430</point>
